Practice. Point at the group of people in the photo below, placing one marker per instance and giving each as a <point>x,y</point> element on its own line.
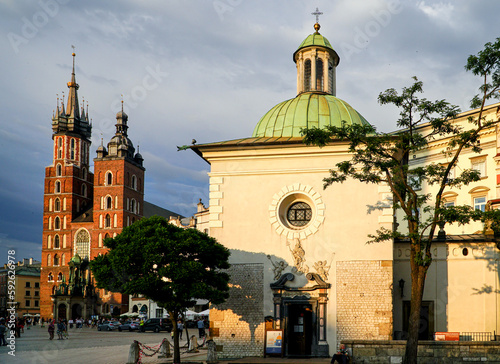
<point>62,329</point>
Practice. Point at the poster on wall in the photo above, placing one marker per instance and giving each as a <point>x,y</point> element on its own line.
<point>274,342</point>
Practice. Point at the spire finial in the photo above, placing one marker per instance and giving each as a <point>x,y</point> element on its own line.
<point>317,13</point>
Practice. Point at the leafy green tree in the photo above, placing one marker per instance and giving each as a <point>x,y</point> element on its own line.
<point>383,158</point>
<point>170,265</point>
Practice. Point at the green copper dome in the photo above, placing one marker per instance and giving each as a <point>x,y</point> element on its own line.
<point>307,110</point>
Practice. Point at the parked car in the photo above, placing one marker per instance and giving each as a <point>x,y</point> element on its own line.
<point>129,325</point>
<point>156,325</point>
<point>108,325</point>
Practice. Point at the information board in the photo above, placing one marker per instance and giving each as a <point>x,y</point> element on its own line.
<point>274,342</point>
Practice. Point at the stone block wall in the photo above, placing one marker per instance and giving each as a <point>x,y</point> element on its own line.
<point>237,326</point>
<point>364,300</point>
<point>429,352</point>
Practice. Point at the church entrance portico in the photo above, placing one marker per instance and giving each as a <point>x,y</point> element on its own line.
<point>300,312</point>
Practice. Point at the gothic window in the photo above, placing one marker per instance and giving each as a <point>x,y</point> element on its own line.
<point>49,242</point>
<point>107,222</point>
<point>82,244</point>
<point>57,242</point>
<point>84,153</point>
<point>49,260</point>
<point>84,174</point>
<point>109,179</point>
<point>63,259</point>
<point>109,203</point>
<point>59,170</point>
<point>299,214</point>
<point>132,205</point>
<point>307,75</point>
<point>59,148</point>
<point>56,260</point>
<point>57,223</point>
<point>57,188</point>
<point>134,182</point>
<point>50,278</point>
<point>72,149</point>
<point>57,205</point>
<point>84,190</point>
<point>59,277</point>
<point>319,74</point>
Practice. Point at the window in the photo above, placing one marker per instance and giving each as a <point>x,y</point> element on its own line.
<point>480,203</point>
<point>159,312</point>
<point>449,203</point>
<point>28,284</point>
<point>37,285</point>
<point>72,149</point>
<point>415,182</point>
<point>109,202</point>
<point>59,170</point>
<point>132,206</point>
<point>319,74</point>
<point>28,293</point>
<point>109,178</point>
<point>36,303</point>
<point>59,277</point>
<point>57,223</point>
<point>84,173</point>
<point>57,205</point>
<point>57,187</point>
<point>59,148</point>
<point>37,293</point>
<point>299,214</point>
<point>134,182</point>
<point>307,75</point>
<point>49,260</point>
<point>82,244</point>
<point>56,260</point>
<point>107,222</point>
<point>479,165</point>
<point>50,278</point>
<point>84,190</point>
<point>57,242</point>
<point>28,303</point>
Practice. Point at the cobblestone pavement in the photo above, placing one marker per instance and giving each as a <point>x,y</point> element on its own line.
<point>86,346</point>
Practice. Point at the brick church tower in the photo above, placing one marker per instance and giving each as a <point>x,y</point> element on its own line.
<point>82,208</point>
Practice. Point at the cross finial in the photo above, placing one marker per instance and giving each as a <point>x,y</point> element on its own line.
<point>317,13</point>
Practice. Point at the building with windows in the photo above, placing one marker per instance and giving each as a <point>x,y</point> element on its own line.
<point>26,288</point>
<point>299,258</point>
<point>84,207</point>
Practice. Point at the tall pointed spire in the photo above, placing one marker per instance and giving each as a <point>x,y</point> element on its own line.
<point>73,110</point>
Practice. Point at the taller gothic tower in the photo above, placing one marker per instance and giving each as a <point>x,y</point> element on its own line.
<point>82,208</point>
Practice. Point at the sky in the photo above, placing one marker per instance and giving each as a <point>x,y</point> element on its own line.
<point>205,70</point>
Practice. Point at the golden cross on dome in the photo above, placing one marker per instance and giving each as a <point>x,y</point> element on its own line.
<point>317,13</point>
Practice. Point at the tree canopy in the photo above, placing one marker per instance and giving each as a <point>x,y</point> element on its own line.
<point>168,264</point>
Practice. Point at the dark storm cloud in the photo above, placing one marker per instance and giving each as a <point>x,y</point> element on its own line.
<point>206,70</point>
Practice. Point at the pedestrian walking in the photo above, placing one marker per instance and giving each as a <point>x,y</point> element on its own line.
<point>180,328</point>
<point>51,329</point>
<point>201,328</point>
<point>60,329</point>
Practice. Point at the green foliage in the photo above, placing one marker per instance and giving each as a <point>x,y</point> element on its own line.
<point>165,263</point>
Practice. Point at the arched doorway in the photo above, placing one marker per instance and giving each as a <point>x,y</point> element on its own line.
<point>76,311</point>
<point>61,311</point>
<point>135,308</point>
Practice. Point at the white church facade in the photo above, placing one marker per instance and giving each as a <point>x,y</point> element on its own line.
<point>300,261</point>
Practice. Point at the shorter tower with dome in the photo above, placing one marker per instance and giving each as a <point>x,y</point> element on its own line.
<point>300,262</point>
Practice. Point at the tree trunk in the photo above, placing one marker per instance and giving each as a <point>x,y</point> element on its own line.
<point>418,274</point>
<point>177,351</point>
